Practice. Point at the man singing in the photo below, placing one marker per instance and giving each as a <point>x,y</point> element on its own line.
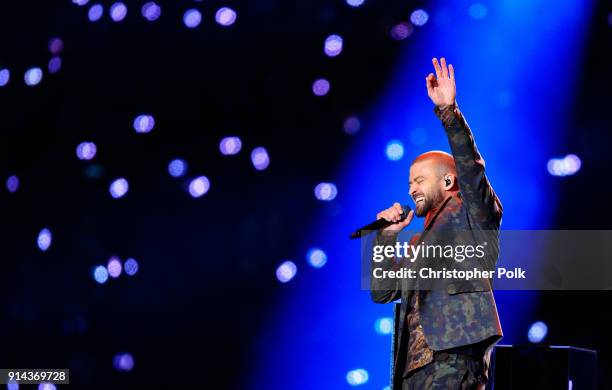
<point>445,337</point>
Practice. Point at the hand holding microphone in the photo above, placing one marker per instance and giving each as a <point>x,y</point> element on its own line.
<point>397,216</point>
<point>391,220</point>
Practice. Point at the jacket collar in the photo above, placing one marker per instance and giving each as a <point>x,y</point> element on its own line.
<point>433,213</point>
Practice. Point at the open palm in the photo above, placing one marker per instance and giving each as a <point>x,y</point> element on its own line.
<point>441,87</point>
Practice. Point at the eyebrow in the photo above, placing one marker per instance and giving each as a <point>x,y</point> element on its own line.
<point>416,178</point>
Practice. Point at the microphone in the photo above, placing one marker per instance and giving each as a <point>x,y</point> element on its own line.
<point>378,224</point>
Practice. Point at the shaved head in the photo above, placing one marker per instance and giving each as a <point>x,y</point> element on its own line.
<point>444,162</point>
<point>429,175</point>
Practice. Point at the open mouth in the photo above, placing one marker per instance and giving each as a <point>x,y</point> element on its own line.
<point>419,199</point>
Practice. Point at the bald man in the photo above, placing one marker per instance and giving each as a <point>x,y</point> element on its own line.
<point>444,336</point>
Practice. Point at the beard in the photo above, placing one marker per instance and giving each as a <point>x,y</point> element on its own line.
<point>429,202</point>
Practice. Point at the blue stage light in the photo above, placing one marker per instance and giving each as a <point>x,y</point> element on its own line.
<point>86,150</point>
<point>477,11</point>
<point>320,87</point>
<point>114,267</point>
<point>260,158</point>
<point>419,17</point>
<point>12,183</point>
<point>33,76</point>
<point>225,16</point>
<point>100,274</point>
<point>151,11</point>
<point>199,186</point>
<point>333,45</point>
<point>230,145</point>
<point>394,150</point>
<point>177,167</point>
<point>130,266</point>
<point>384,325</point>
<point>5,77</point>
<point>326,191</point>
<point>357,377</point>
<point>286,271</point>
<point>144,123</point>
<point>316,257</point>
<point>118,11</point>
<point>44,239</point>
<point>123,362</point>
<point>537,332</point>
<point>192,18</point>
<point>95,12</point>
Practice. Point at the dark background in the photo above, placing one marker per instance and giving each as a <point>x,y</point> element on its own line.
<point>207,265</point>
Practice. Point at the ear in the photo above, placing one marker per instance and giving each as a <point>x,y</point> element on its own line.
<point>449,182</point>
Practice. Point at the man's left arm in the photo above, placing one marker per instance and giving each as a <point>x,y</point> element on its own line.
<point>483,205</point>
<point>482,202</point>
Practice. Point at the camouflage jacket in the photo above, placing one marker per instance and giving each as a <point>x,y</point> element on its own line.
<point>462,313</point>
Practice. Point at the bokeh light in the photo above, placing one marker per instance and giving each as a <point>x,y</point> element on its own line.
<point>286,271</point>
<point>383,326</point>
<point>394,150</point>
<point>80,2</point>
<point>401,31</point>
<point>46,386</point>
<point>537,332</point>
<point>33,76</point>
<point>130,266</point>
<point>352,125</point>
<point>260,158</point>
<point>114,267</point>
<point>118,11</point>
<point>119,187</point>
<point>566,166</point>
<point>123,362</point>
<point>44,239</point>
<point>86,150</point>
<point>355,3</point>
<point>100,274</point>
<point>316,257</point>
<point>477,11</point>
<point>225,16</point>
<point>144,123</point>
<point>12,385</point>
<point>230,145</point>
<point>357,377</point>
<point>5,76</point>
<point>12,183</point>
<point>333,45</point>
<point>326,191</point>
<point>199,186</point>
<point>192,18</point>
<point>177,167</point>
<point>55,64</point>
<point>56,45</point>
<point>320,87</point>
<point>419,17</point>
<point>95,12</point>
<point>151,11</point>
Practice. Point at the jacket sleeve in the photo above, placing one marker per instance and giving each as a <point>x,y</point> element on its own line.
<point>384,290</point>
<point>483,206</point>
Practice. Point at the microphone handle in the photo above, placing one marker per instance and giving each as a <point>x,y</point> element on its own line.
<point>379,224</point>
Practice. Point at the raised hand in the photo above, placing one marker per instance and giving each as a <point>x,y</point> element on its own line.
<point>441,87</point>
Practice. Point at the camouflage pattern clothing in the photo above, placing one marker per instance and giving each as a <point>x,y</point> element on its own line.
<point>447,372</point>
<point>460,314</point>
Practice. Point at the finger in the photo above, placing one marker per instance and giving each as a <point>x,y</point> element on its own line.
<point>444,69</point>
<point>394,214</point>
<point>451,72</point>
<point>437,67</point>
<point>429,81</point>
<point>398,207</point>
